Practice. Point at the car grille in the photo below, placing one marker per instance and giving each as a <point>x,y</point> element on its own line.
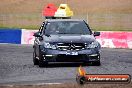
<point>71,46</point>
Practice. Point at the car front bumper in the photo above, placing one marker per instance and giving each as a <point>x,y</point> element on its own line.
<point>71,56</point>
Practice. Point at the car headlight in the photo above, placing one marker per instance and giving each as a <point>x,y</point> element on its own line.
<point>49,46</point>
<point>93,45</point>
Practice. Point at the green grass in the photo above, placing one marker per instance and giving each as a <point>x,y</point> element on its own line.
<point>98,22</point>
<point>29,27</point>
<point>35,27</point>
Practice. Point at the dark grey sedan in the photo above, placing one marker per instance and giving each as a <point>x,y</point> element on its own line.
<point>65,40</point>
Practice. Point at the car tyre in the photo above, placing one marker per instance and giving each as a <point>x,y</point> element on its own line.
<point>41,62</point>
<point>96,63</point>
<point>35,60</point>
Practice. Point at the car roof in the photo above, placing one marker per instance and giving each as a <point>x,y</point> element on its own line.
<point>54,20</point>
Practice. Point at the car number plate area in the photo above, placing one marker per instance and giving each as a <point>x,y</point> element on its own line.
<point>71,53</point>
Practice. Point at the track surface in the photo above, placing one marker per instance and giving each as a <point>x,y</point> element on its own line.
<point>16,66</point>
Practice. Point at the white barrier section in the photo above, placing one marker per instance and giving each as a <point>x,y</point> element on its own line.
<point>27,36</point>
<point>106,43</point>
<point>129,40</point>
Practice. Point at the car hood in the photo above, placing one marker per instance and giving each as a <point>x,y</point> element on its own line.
<point>69,38</point>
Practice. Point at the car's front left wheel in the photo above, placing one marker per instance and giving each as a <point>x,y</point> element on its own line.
<point>42,61</point>
<point>35,60</point>
<point>96,63</point>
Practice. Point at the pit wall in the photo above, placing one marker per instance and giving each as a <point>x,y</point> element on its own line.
<point>107,39</point>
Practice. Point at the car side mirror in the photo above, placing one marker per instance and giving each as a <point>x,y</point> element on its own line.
<point>37,34</point>
<point>96,33</point>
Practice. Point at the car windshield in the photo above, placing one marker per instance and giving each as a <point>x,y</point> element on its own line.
<point>67,27</point>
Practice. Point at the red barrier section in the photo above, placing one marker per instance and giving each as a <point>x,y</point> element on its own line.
<point>115,39</point>
<point>49,10</point>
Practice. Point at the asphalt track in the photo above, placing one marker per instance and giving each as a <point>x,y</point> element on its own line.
<point>16,66</point>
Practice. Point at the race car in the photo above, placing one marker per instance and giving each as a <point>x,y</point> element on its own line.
<point>65,40</point>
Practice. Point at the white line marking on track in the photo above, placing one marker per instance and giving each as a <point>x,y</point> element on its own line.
<point>47,83</point>
<point>37,84</point>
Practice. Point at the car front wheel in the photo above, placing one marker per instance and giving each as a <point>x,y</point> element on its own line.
<point>96,63</point>
<point>42,63</point>
<point>35,60</point>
